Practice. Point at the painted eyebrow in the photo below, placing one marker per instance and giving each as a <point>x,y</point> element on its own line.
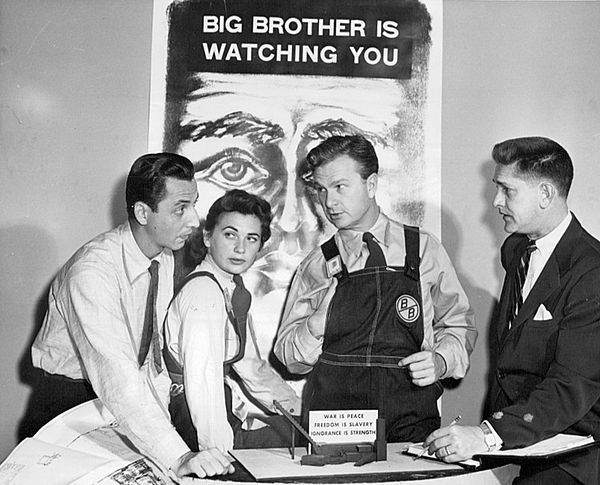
<point>331,127</point>
<point>238,123</point>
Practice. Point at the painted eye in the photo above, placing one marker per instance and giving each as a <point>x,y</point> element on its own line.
<point>234,169</point>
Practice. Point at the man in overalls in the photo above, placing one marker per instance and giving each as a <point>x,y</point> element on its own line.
<point>377,312</point>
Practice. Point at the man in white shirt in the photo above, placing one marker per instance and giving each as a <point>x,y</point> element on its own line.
<point>100,335</point>
<point>546,340</point>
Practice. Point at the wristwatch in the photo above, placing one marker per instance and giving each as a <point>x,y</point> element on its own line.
<point>489,437</point>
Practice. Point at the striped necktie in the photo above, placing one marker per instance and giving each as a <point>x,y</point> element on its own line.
<point>521,274</point>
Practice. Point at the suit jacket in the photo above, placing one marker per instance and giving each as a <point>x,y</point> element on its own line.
<point>546,378</point>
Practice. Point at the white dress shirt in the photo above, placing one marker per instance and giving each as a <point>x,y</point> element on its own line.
<point>200,337</point>
<point>93,331</point>
<point>544,248</point>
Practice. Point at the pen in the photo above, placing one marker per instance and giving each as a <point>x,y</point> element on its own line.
<point>455,420</point>
<point>424,450</point>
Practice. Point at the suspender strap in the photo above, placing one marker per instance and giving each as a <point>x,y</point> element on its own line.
<point>333,260</point>
<point>337,268</point>
<point>412,261</point>
<point>190,277</point>
<point>173,366</point>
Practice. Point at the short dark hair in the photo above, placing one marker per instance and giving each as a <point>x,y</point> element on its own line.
<point>146,181</point>
<point>356,147</point>
<point>244,203</point>
<point>537,157</point>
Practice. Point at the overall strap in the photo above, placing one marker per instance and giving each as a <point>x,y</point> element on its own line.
<point>333,260</point>
<point>412,261</point>
<point>173,366</point>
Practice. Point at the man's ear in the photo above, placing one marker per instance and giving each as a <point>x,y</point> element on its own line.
<point>547,192</point>
<point>140,211</point>
<point>372,185</point>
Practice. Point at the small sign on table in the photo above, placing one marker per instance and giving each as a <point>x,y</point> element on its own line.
<point>334,427</point>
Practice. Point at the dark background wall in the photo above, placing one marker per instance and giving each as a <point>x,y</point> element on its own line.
<point>74,88</point>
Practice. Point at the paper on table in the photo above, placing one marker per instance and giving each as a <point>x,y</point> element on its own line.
<point>550,446</point>
<point>34,461</point>
<point>89,428</point>
<point>82,446</point>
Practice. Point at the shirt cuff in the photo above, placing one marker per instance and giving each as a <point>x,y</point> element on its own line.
<point>497,441</point>
<point>172,448</point>
<point>452,352</point>
<point>445,364</point>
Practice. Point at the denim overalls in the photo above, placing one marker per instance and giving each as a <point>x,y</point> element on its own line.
<point>375,318</point>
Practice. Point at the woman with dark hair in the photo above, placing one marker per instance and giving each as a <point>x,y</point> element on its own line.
<point>210,341</point>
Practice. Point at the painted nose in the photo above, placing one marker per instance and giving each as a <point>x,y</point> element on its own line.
<point>290,218</point>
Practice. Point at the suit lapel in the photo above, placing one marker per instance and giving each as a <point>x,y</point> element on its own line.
<point>546,284</point>
<point>549,279</point>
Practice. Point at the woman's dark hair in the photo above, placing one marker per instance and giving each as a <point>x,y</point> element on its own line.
<point>233,201</point>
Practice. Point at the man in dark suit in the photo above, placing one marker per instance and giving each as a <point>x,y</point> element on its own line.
<point>546,341</point>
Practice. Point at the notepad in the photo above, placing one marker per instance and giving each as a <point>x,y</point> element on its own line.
<point>548,448</point>
<point>545,449</point>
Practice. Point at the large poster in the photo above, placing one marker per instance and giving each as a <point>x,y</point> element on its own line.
<point>246,88</point>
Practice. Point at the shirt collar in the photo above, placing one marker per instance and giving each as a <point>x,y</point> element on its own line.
<point>380,230</point>
<point>547,243</point>
<point>223,277</point>
<point>135,261</point>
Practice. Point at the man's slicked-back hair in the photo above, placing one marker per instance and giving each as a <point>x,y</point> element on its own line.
<point>244,203</point>
<point>146,181</point>
<point>356,147</point>
<point>537,157</point>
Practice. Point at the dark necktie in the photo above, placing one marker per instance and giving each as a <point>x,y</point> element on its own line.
<point>520,276</point>
<point>376,257</point>
<point>150,330</point>
<point>240,304</point>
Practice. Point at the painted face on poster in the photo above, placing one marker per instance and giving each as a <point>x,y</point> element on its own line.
<point>252,129</point>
